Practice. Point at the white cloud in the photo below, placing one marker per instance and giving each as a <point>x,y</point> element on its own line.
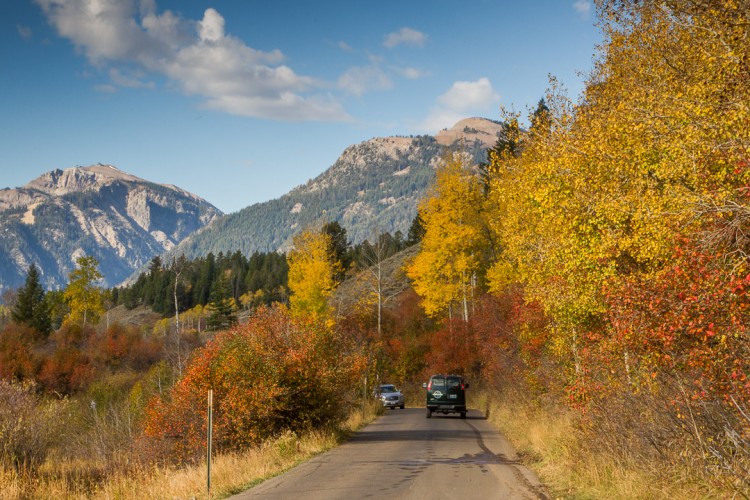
<point>410,73</point>
<point>197,55</point>
<point>405,36</point>
<point>105,89</point>
<point>345,46</point>
<point>211,27</point>
<point>133,81</point>
<point>465,96</point>
<point>361,79</point>
<point>583,8</point>
<point>462,100</point>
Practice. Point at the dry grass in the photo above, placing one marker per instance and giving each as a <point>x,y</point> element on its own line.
<point>230,473</point>
<point>551,443</point>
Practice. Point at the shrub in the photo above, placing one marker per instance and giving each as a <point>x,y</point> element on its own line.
<point>17,358</point>
<point>269,375</point>
<point>29,425</point>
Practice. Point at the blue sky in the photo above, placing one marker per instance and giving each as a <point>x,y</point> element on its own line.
<point>238,101</point>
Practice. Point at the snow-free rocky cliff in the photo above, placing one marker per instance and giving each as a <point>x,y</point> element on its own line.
<point>120,219</point>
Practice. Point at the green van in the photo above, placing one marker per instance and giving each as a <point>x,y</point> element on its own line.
<point>446,394</point>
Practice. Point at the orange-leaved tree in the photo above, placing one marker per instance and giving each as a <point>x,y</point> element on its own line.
<point>271,374</point>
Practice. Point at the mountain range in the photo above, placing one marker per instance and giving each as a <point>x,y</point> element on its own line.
<point>124,221</point>
<point>118,218</point>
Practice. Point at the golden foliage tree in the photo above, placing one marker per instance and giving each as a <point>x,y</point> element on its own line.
<point>312,272</point>
<point>656,148</point>
<point>445,270</point>
<point>84,298</point>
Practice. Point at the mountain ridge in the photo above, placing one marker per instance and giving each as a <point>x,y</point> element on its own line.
<point>374,186</point>
<point>98,210</point>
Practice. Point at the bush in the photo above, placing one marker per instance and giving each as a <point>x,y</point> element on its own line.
<point>29,425</point>
<point>269,375</point>
<point>17,357</point>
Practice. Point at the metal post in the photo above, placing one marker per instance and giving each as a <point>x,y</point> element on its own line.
<point>364,399</point>
<point>208,438</point>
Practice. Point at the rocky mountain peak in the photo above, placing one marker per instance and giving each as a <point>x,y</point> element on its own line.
<point>60,182</point>
<point>99,210</point>
<point>470,130</point>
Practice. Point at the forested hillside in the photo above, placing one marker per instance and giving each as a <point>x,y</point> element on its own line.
<point>373,187</point>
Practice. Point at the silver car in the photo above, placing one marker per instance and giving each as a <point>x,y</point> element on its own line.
<point>390,396</point>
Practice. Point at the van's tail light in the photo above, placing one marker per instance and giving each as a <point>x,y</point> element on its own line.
<point>463,388</point>
<point>429,386</point>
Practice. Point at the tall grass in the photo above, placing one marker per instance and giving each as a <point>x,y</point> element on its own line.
<point>230,473</point>
<point>553,441</point>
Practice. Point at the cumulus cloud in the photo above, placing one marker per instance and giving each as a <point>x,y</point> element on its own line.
<point>405,36</point>
<point>583,8</point>
<point>462,100</point>
<point>197,55</point>
<point>211,27</point>
<point>465,96</point>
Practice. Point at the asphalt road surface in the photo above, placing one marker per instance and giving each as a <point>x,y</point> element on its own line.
<point>405,455</point>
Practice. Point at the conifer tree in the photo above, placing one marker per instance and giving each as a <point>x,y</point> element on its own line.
<point>339,250</point>
<point>222,305</point>
<point>31,306</point>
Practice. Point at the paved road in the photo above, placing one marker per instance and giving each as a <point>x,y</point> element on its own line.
<point>405,455</point>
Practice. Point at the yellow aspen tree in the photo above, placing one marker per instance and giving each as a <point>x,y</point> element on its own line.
<point>84,298</point>
<point>655,149</point>
<point>312,272</point>
<point>445,270</point>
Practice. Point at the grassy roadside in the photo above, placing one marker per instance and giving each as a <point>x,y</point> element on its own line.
<point>230,473</point>
<point>552,445</point>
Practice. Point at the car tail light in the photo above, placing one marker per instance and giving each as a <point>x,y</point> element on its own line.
<point>429,386</point>
<point>462,386</point>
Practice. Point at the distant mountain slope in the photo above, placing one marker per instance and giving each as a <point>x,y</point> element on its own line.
<point>99,210</point>
<point>374,186</point>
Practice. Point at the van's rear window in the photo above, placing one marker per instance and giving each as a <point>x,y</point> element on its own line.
<point>437,382</point>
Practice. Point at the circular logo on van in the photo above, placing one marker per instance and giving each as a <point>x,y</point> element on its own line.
<point>437,394</point>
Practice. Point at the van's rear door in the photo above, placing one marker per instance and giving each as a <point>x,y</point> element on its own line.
<point>455,394</point>
<point>437,391</point>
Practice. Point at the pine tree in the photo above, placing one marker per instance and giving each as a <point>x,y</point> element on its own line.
<point>416,230</point>
<point>339,250</point>
<point>31,305</point>
<point>222,305</point>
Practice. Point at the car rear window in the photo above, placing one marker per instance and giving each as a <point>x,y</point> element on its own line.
<point>454,381</point>
<point>437,382</point>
